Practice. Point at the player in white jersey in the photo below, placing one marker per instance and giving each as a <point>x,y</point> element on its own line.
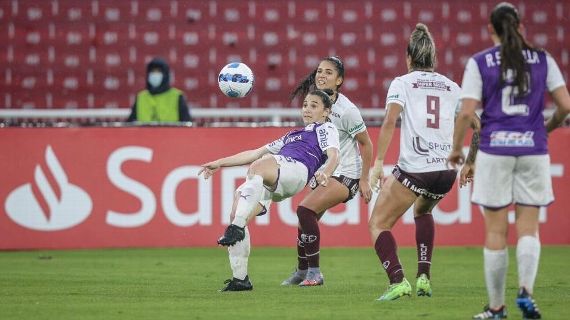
<point>426,102</point>
<point>350,176</point>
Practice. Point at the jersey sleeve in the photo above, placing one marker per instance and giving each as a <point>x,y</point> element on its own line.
<point>472,85</point>
<point>275,146</point>
<point>353,122</point>
<point>396,93</point>
<point>327,134</point>
<point>554,77</point>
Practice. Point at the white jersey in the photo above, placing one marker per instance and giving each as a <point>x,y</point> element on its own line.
<point>347,119</point>
<point>429,101</point>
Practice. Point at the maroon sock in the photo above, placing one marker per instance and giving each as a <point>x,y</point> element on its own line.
<point>302,263</point>
<point>387,251</point>
<point>311,236</point>
<point>425,231</point>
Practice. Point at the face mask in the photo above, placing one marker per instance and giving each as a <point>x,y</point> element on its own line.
<point>155,79</point>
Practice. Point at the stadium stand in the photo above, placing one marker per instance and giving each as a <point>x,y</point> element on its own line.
<point>65,54</point>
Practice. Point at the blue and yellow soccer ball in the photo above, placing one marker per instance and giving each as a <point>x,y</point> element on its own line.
<point>236,80</point>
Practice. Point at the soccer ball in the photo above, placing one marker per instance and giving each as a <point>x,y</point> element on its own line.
<point>236,80</point>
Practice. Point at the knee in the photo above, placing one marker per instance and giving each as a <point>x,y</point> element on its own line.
<point>305,214</point>
<point>254,168</point>
<point>376,225</point>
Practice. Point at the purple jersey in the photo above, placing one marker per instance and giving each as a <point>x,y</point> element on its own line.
<point>512,125</point>
<point>307,145</point>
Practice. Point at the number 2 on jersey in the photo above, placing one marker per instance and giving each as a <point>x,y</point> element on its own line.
<point>432,108</point>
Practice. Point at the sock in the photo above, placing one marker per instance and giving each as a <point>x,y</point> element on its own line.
<point>528,254</point>
<point>496,266</point>
<point>250,194</point>
<point>425,231</point>
<point>239,256</point>
<point>311,236</point>
<point>302,263</point>
<point>387,251</point>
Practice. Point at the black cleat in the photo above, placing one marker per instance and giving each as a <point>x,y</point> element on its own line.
<point>237,285</point>
<point>232,235</point>
<point>527,305</point>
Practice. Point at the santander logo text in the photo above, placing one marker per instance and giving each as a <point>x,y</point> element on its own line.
<point>54,206</point>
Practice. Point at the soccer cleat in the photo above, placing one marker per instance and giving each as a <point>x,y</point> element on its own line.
<point>235,284</point>
<point>489,313</point>
<point>313,279</point>
<point>296,277</point>
<point>397,290</point>
<point>527,305</point>
<point>423,286</point>
<point>232,235</point>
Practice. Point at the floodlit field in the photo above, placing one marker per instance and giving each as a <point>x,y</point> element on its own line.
<point>184,283</point>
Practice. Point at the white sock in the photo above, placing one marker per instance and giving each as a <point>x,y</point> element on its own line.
<point>251,191</point>
<point>496,266</point>
<point>239,256</point>
<point>528,254</point>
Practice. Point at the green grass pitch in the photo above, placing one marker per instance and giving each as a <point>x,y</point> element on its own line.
<point>183,283</point>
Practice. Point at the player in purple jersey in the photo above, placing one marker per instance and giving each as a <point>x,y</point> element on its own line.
<point>350,177</point>
<point>512,166</point>
<point>278,171</point>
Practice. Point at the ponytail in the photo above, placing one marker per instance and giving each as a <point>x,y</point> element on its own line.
<point>505,21</point>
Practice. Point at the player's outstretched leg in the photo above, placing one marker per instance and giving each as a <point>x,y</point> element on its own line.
<point>235,284</point>
<point>397,290</point>
<point>489,313</point>
<point>527,305</point>
<point>232,235</point>
<point>423,286</point>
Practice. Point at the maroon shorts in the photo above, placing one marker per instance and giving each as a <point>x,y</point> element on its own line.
<point>349,183</point>
<point>430,185</point>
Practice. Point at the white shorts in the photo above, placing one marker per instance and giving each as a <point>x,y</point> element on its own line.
<point>291,180</point>
<point>502,180</point>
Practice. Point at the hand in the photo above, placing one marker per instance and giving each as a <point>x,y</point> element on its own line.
<point>377,175</point>
<point>209,168</point>
<point>322,178</point>
<point>466,174</point>
<point>455,159</point>
<point>364,189</point>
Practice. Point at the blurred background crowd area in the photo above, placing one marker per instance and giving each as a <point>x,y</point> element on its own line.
<point>92,54</point>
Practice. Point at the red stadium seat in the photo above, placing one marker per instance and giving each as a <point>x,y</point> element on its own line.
<point>112,11</point>
<point>312,11</point>
<point>274,12</point>
<point>356,12</point>
<point>40,12</point>
<point>114,34</point>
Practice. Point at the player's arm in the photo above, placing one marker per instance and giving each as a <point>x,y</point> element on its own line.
<point>559,93</point>
<point>238,159</point>
<point>464,119</point>
<point>393,111</point>
<point>333,159</point>
<point>331,146</point>
<point>365,147</point>
<point>468,169</point>
<point>562,101</point>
